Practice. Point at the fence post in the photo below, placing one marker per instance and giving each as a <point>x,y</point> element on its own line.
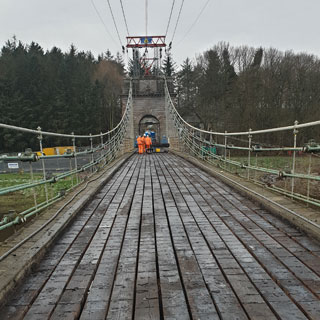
<point>210,148</point>
<point>43,165</point>
<point>91,149</point>
<point>75,157</point>
<point>108,147</point>
<point>249,154</point>
<point>103,153</point>
<point>34,188</point>
<point>295,132</point>
<point>201,147</point>
<point>225,149</point>
<point>101,138</point>
<point>192,149</point>
<point>309,173</point>
<point>255,171</point>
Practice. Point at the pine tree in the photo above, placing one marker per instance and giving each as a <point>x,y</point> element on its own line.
<point>186,87</point>
<point>168,67</point>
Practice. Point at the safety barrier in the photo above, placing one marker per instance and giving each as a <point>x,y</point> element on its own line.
<point>293,171</point>
<point>80,165</point>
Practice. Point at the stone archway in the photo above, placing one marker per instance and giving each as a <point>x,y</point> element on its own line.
<point>149,122</point>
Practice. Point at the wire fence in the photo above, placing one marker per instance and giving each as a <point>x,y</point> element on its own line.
<point>32,181</point>
<point>293,171</point>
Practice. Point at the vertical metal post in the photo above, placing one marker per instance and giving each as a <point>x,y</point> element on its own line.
<point>101,139</point>
<point>70,165</point>
<point>309,173</point>
<point>43,165</point>
<point>201,147</point>
<point>109,146</point>
<point>75,156</point>
<point>167,113</point>
<point>179,131</point>
<point>295,132</point>
<point>34,188</point>
<point>193,143</point>
<point>249,154</point>
<point>225,149</point>
<point>210,148</point>
<point>102,154</point>
<point>255,171</point>
<point>91,149</point>
<point>114,144</point>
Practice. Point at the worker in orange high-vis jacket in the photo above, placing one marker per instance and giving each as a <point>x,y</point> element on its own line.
<point>143,139</point>
<point>148,143</point>
<point>140,144</point>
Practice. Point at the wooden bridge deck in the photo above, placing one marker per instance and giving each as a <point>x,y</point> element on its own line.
<point>164,240</point>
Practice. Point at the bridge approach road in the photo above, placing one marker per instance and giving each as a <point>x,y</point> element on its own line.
<point>164,240</point>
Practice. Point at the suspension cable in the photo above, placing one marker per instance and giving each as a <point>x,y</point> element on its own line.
<point>173,2</point>
<point>124,17</point>
<point>175,28</point>
<point>105,26</point>
<point>195,22</point>
<point>146,8</point>
<point>115,24</point>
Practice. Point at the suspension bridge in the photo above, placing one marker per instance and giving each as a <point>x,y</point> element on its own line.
<point>169,235</point>
<point>217,225</point>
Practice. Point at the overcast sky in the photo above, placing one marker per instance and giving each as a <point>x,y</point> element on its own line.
<point>283,24</point>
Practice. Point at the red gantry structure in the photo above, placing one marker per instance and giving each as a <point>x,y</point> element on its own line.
<point>140,42</point>
<point>146,42</point>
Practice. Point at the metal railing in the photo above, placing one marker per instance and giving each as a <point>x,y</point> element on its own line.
<point>57,174</point>
<point>290,170</point>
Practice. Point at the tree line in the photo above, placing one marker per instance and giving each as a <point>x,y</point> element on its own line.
<point>60,92</point>
<point>225,88</point>
<point>236,88</point>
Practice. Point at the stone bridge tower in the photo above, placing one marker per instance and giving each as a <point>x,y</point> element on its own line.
<point>149,110</point>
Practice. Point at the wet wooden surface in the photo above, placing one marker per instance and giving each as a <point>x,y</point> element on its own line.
<point>164,240</point>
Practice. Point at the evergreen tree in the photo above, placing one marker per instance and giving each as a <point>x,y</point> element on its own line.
<point>168,67</point>
<point>135,68</point>
<point>57,91</point>
<point>186,87</point>
<point>257,60</point>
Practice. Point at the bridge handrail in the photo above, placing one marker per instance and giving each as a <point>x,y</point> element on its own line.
<point>101,155</point>
<point>196,143</point>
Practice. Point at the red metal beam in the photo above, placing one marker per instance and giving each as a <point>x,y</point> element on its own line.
<point>146,42</point>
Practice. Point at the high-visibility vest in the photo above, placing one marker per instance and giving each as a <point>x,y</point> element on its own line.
<point>148,141</point>
<point>139,141</point>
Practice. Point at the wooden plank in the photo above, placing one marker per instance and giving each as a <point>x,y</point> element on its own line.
<point>207,187</point>
<point>221,292</point>
<point>167,241</point>
<point>101,288</point>
<point>174,302</point>
<point>147,291</point>
<point>122,299</point>
<point>199,299</point>
<point>73,261</point>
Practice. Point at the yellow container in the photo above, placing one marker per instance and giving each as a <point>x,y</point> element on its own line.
<point>157,149</point>
<point>55,151</point>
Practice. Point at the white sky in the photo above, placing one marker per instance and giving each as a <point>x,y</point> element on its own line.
<point>283,24</point>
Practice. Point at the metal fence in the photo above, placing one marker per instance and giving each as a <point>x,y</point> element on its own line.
<point>35,182</point>
<point>290,170</point>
